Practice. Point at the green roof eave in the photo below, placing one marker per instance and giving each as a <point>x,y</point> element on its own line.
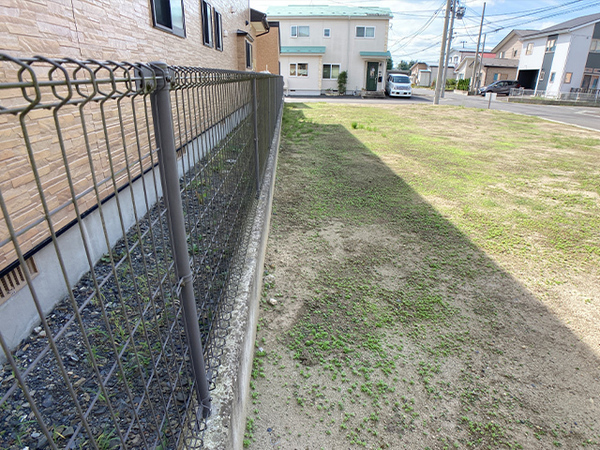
<point>377,54</point>
<point>311,50</point>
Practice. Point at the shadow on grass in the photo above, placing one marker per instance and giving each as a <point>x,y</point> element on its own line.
<point>498,363</point>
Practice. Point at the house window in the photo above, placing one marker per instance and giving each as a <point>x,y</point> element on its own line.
<point>551,45</point>
<point>568,77</point>
<point>595,46</point>
<point>248,55</point>
<point>331,71</point>
<point>298,69</point>
<point>501,55</point>
<point>207,23</point>
<point>496,76</point>
<point>542,75</point>
<point>365,32</point>
<point>529,50</point>
<point>300,31</point>
<point>326,32</point>
<point>515,53</point>
<point>168,16</point>
<point>552,76</point>
<point>218,31</point>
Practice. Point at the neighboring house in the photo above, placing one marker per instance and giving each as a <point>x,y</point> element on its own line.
<point>466,68</point>
<point>319,42</point>
<point>268,47</point>
<point>434,72</point>
<point>420,74</point>
<point>562,57</point>
<point>456,56</point>
<point>506,63</point>
<point>182,32</point>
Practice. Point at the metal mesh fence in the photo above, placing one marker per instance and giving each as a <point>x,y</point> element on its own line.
<point>88,254</point>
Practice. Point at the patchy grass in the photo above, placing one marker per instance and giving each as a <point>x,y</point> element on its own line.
<point>436,275</point>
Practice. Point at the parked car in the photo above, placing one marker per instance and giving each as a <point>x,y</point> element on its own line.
<point>398,85</point>
<point>500,87</point>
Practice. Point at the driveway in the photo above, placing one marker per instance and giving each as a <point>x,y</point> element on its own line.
<point>574,115</point>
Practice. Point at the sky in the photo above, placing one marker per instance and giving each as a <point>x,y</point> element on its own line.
<point>417,27</point>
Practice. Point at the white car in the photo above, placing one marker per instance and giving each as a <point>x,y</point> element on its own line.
<point>398,86</point>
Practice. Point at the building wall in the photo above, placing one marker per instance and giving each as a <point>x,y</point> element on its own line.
<point>536,59</point>
<point>310,85</point>
<point>577,58</point>
<point>267,51</point>
<point>116,30</point>
<point>511,50</point>
<point>504,73</point>
<point>342,47</point>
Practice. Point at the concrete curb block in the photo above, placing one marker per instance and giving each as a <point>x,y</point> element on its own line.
<point>227,423</point>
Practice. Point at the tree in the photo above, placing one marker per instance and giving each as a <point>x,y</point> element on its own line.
<point>406,65</point>
<point>390,64</point>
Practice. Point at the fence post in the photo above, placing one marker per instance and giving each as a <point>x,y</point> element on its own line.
<point>255,98</point>
<point>167,160</point>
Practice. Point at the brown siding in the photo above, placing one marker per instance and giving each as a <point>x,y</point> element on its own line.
<point>81,29</point>
<point>267,51</point>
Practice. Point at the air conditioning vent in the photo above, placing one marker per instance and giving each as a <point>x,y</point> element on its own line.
<point>14,280</point>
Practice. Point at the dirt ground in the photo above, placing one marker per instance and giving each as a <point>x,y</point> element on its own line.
<point>383,325</point>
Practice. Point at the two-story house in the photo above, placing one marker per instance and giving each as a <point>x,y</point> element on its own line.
<point>320,42</point>
<point>562,57</point>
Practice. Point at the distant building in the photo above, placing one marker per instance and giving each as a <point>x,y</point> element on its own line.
<point>563,57</point>
<point>320,42</point>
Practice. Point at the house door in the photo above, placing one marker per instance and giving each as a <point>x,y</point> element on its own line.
<point>372,76</point>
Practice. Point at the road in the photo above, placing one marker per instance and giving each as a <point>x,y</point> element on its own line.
<point>585,117</point>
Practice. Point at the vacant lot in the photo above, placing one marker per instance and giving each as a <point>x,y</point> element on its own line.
<point>432,281</point>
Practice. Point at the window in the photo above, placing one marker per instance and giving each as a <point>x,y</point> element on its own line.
<point>542,75</point>
<point>365,32</point>
<point>207,23</point>
<point>218,31</point>
<point>501,55</point>
<point>550,45</point>
<point>552,76</point>
<point>248,55</point>
<point>515,52</point>
<point>298,69</point>
<point>496,76</point>
<point>300,31</point>
<point>568,77</point>
<point>326,32</point>
<point>331,71</point>
<point>168,16</point>
<point>529,50</point>
<point>595,46</point>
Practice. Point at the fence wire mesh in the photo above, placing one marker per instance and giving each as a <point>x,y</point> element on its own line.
<point>86,249</point>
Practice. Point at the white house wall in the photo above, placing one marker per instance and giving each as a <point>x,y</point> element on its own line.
<point>577,58</point>
<point>535,60</point>
<point>309,85</point>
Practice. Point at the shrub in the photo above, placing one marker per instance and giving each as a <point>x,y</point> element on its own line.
<point>342,80</point>
<point>463,85</point>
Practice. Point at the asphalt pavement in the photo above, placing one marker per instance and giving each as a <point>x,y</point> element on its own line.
<point>586,117</point>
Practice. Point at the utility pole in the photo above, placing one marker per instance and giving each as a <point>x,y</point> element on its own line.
<point>445,69</point>
<point>438,82</point>
<point>475,69</point>
<point>480,72</point>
